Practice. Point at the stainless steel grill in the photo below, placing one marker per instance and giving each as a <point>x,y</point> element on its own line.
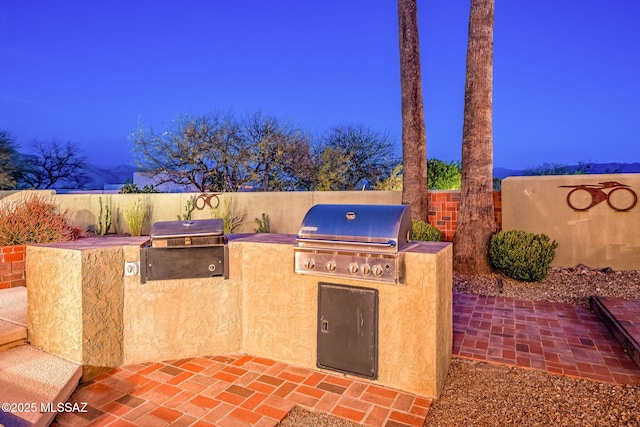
<point>363,242</point>
<point>185,249</point>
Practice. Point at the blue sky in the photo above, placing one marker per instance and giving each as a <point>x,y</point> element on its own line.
<point>566,83</point>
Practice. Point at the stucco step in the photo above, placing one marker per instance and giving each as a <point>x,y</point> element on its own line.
<point>13,305</point>
<point>36,378</point>
<point>11,334</point>
<point>13,317</point>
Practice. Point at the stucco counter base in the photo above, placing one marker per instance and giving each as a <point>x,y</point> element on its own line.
<point>81,306</point>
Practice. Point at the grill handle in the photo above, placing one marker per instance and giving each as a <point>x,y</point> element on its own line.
<point>389,244</point>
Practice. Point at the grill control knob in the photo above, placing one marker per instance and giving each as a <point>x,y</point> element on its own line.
<point>353,268</point>
<point>309,264</point>
<point>366,269</point>
<point>377,270</point>
<point>331,266</point>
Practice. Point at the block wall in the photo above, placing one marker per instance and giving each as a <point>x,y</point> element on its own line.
<point>444,207</point>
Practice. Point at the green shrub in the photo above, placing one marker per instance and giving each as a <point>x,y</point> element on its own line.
<point>36,219</point>
<point>423,231</point>
<point>443,175</point>
<point>522,256</point>
<point>130,187</point>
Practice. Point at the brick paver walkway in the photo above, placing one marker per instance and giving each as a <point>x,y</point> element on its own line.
<point>235,391</point>
<point>557,338</point>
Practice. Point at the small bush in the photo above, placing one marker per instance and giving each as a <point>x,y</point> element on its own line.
<point>135,215</point>
<point>130,187</point>
<point>231,219</point>
<point>36,219</point>
<point>522,256</point>
<point>423,231</point>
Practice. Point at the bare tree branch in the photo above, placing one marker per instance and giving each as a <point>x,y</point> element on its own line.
<point>53,164</point>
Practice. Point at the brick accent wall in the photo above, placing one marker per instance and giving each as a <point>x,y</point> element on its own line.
<point>12,266</point>
<point>444,207</point>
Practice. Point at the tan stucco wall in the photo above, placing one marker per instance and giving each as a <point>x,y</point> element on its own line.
<point>75,303</point>
<point>81,306</point>
<point>285,210</point>
<point>54,301</point>
<point>174,319</point>
<point>599,237</point>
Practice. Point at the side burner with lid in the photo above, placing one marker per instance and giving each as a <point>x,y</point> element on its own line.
<point>185,249</point>
<point>362,242</point>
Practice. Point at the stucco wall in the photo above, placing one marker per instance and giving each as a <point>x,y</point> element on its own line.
<point>54,301</point>
<point>598,236</point>
<point>174,319</point>
<point>284,209</point>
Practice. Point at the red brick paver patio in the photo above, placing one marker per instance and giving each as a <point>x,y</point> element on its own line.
<point>557,338</point>
<point>241,390</point>
<point>235,391</point>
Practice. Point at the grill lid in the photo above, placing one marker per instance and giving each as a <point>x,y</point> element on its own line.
<point>190,228</point>
<point>384,226</point>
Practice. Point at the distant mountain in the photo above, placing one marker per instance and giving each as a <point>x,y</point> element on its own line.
<point>586,168</point>
<point>99,177</point>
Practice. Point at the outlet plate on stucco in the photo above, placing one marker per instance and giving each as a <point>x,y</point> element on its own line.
<point>132,268</point>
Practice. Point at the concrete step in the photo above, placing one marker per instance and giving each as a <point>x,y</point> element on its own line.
<point>13,317</point>
<point>35,381</point>
<point>622,318</point>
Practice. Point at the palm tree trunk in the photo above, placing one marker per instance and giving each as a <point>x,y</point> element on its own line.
<point>414,136</point>
<point>476,221</point>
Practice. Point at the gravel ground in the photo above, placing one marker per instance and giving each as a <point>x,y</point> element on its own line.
<point>566,285</point>
<point>301,418</point>
<point>480,394</point>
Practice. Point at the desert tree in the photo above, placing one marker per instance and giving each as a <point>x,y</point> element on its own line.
<point>8,161</point>
<point>280,153</point>
<point>206,151</point>
<point>353,157</point>
<point>53,164</point>
<point>414,136</point>
<point>476,221</point>
<point>331,166</point>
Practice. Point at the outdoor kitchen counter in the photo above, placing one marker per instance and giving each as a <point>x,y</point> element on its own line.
<point>82,306</point>
<point>415,319</point>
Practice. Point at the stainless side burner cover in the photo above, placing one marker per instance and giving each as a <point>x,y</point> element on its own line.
<point>200,227</point>
<point>200,232</point>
